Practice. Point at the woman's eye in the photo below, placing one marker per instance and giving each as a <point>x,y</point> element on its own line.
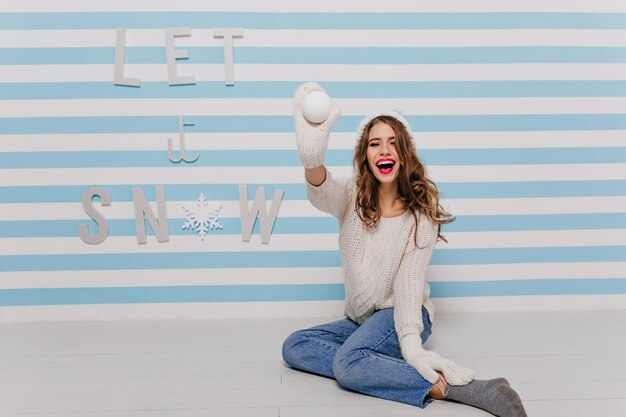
<point>373,144</point>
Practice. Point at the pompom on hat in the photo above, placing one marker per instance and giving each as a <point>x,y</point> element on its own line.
<point>395,113</point>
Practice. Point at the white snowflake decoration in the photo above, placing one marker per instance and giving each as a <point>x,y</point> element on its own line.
<point>202,216</point>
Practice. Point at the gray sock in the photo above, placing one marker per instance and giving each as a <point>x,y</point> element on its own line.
<point>495,396</point>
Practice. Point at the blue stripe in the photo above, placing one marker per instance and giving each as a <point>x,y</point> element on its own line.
<point>300,259</point>
<point>218,192</point>
<point>316,225</point>
<point>525,255</point>
<point>289,158</point>
<point>581,286</point>
<point>172,294</point>
<point>313,20</point>
<point>336,89</point>
<point>439,123</point>
<point>523,222</point>
<point>126,227</point>
<point>182,192</point>
<point>530,189</point>
<point>323,55</point>
<point>176,261</point>
<point>295,292</point>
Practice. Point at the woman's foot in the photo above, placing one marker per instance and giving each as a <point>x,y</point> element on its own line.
<point>495,396</point>
<point>439,389</point>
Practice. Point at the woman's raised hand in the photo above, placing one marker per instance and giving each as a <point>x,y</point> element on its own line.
<point>311,138</point>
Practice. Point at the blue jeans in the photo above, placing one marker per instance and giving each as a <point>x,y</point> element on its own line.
<point>363,358</point>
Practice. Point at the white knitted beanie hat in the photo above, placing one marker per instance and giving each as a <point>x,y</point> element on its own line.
<point>395,113</point>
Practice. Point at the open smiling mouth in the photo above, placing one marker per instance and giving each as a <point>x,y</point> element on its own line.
<point>385,166</point>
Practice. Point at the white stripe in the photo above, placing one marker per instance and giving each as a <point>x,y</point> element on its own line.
<point>534,239</point>
<point>303,242</point>
<point>303,38</point>
<point>318,72</point>
<point>330,310</point>
<point>557,303</point>
<point>499,173</point>
<point>286,140</point>
<point>324,311</point>
<point>294,175</point>
<point>267,276</point>
<point>176,244</point>
<point>302,208</point>
<point>190,107</point>
<point>125,210</point>
<point>168,277</point>
<point>169,175</point>
<point>554,205</point>
<point>525,271</point>
<point>442,6</point>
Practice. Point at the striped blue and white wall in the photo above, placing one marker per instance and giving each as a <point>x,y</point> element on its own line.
<point>519,109</point>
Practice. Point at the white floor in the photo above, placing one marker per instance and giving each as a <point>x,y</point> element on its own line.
<point>562,364</point>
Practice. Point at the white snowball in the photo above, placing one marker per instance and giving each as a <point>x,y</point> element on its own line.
<point>316,106</point>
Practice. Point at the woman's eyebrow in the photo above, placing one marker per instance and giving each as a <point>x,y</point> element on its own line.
<point>389,138</point>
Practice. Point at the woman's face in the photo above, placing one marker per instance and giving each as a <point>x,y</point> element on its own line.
<point>382,156</point>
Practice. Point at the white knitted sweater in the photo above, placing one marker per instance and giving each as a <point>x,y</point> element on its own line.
<point>401,281</point>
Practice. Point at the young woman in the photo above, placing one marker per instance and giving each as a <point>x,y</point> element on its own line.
<point>389,218</point>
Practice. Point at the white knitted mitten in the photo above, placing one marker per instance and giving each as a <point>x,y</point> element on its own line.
<point>427,363</point>
<point>312,138</point>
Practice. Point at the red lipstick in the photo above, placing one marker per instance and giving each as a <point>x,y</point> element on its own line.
<point>385,165</point>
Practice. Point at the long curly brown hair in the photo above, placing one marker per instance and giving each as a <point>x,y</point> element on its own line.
<point>416,191</point>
